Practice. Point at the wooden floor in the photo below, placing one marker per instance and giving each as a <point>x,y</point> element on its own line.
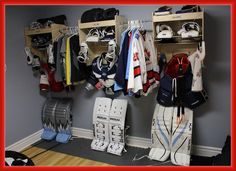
<point>52,158</point>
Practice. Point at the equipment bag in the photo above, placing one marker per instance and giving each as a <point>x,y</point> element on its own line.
<point>60,19</point>
<point>95,14</point>
<point>109,14</point>
<point>13,158</point>
<point>194,99</point>
<point>172,82</point>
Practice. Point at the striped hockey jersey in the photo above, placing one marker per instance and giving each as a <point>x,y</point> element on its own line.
<point>152,68</point>
<point>137,69</point>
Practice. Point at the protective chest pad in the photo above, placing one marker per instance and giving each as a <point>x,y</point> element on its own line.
<point>100,123</point>
<point>117,126</point>
<point>103,72</point>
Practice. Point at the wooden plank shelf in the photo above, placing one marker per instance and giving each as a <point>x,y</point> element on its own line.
<point>119,24</point>
<point>178,17</point>
<point>54,30</point>
<point>54,27</point>
<point>179,40</point>
<point>108,23</point>
<point>177,44</point>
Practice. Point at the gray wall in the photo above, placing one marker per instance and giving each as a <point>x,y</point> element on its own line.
<point>211,121</point>
<point>23,102</point>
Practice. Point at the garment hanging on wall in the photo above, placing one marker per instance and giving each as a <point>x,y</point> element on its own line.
<point>49,72</point>
<point>68,68</point>
<point>62,66</point>
<point>137,72</point>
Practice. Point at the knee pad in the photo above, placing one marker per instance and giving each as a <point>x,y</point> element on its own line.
<point>117,126</point>
<point>161,133</point>
<point>48,120</point>
<point>100,123</point>
<point>181,138</point>
<point>63,117</point>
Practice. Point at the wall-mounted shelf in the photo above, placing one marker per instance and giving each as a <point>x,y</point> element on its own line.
<point>179,40</point>
<point>178,17</point>
<point>106,23</point>
<point>96,48</point>
<point>53,30</point>
<point>177,43</point>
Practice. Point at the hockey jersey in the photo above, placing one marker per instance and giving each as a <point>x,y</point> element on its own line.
<point>137,67</point>
<point>152,67</point>
<point>196,63</point>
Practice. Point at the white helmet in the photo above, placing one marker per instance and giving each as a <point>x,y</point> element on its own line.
<point>164,31</point>
<point>189,29</point>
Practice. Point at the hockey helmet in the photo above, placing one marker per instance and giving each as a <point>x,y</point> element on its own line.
<point>164,31</point>
<point>189,29</point>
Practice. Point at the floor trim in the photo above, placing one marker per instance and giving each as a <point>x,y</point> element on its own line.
<point>25,142</point>
<point>131,141</point>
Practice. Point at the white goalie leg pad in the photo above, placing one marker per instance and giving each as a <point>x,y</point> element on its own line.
<point>181,138</point>
<point>117,126</point>
<point>100,123</point>
<point>161,133</point>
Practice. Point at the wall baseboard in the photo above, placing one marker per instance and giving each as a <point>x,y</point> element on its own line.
<point>25,142</point>
<point>198,150</point>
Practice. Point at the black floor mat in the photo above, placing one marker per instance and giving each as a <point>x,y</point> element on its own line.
<point>81,148</point>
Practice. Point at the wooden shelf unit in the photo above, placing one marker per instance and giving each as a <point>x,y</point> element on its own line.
<point>54,30</point>
<point>178,17</point>
<point>175,21</point>
<point>96,48</point>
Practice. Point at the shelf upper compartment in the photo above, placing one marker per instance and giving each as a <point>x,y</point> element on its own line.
<point>178,17</point>
<point>54,27</point>
<point>119,20</point>
<point>179,40</point>
<point>106,23</point>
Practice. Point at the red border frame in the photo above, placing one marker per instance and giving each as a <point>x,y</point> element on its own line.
<point>122,2</point>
